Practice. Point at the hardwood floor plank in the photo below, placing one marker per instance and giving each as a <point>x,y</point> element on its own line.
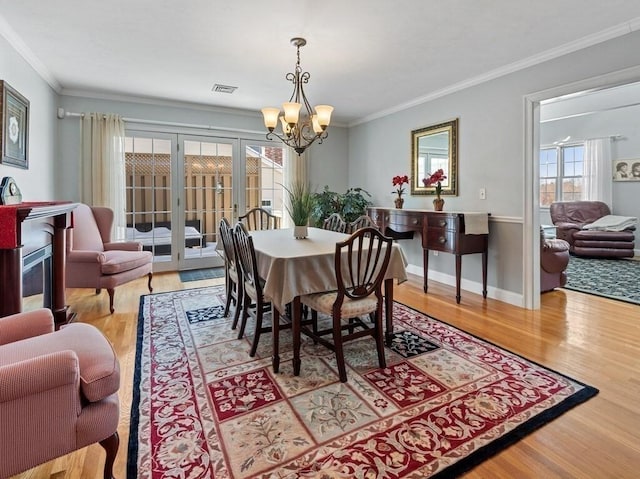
<point>592,339</point>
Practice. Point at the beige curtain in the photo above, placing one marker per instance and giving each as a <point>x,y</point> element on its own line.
<point>296,169</point>
<point>103,168</point>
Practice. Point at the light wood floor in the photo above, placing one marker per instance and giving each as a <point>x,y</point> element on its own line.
<point>594,340</point>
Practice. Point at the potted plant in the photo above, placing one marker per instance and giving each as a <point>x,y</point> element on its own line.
<point>299,207</point>
<point>350,205</point>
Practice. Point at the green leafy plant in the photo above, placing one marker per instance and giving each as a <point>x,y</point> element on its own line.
<point>301,203</point>
<point>350,205</point>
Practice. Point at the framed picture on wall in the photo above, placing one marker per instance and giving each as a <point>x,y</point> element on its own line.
<point>626,170</point>
<point>14,136</point>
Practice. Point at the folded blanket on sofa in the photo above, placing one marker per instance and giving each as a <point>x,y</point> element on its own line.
<point>612,223</point>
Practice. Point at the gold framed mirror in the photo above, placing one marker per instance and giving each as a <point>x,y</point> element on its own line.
<point>434,147</point>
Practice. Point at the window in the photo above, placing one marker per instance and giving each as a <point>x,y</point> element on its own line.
<point>561,170</point>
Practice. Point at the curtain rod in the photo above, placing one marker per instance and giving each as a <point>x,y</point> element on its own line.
<point>582,140</point>
<point>62,114</point>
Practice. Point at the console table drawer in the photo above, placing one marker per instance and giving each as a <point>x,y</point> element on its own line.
<point>444,221</point>
<point>440,239</point>
<point>405,221</point>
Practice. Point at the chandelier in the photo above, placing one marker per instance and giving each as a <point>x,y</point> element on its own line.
<point>299,128</point>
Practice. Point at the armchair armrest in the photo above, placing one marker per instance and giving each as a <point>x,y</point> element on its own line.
<point>40,374</point>
<point>25,325</point>
<point>81,256</point>
<point>123,246</point>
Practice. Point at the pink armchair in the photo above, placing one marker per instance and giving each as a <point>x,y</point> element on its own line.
<point>93,261</point>
<point>58,391</point>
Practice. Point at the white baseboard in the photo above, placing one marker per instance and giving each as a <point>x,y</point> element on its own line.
<point>471,286</point>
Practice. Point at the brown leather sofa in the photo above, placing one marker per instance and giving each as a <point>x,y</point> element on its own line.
<point>554,258</point>
<point>570,217</point>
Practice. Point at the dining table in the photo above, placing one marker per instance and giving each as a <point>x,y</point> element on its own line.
<point>293,267</point>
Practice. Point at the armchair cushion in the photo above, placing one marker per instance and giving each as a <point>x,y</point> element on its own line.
<point>115,261</point>
<point>99,368</point>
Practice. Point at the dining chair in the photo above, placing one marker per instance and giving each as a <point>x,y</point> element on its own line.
<point>335,223</point>
<point>260,219</point>
<point>232,273</point>
<point>254,303</point>
<point>361,222</point>
<point>360,264</point>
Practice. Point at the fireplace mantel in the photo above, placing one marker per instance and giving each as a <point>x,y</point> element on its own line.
<point>57,214</point>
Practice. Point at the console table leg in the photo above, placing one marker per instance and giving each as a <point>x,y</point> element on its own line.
<point>484,274</point>
<point>458,274</point>
<point>425,265</point>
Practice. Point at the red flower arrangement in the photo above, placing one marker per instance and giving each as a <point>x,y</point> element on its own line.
<point>435,179</point>
<point>399,181</point>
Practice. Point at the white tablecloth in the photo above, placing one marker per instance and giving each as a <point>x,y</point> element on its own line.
<point>295,267</point>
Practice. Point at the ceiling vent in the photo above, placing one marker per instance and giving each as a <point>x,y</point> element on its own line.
<point>223,88</point>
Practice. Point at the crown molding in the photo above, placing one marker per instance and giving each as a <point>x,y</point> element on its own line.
<point>585,42</point>
<point>25,52</point>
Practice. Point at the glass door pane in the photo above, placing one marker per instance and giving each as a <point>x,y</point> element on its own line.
<point>264,177</point>
<point>148,163</point>
<point>208,197</point>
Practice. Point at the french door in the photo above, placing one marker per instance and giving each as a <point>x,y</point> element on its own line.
<point>179,187</point>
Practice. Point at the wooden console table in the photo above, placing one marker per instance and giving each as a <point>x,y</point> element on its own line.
<point>14,225</point>
<point>440,230</point>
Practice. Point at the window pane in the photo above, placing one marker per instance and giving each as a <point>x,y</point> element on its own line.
<point>547,192</point>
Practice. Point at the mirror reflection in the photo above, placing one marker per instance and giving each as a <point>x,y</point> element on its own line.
<point>434,147</point>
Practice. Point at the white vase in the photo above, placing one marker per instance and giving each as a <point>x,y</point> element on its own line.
<point>300,232</point>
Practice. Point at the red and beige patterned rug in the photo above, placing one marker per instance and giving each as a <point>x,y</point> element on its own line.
<point>202,408</point>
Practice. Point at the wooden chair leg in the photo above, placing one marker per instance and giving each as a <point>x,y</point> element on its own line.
<point>111,292</point>
<point>256,335</point>
<point>238,309</point>
<point>246,304</point>
<point>110,446</point>
<point>229,291</point>
<point>337,343</point>
<point>150,276</point>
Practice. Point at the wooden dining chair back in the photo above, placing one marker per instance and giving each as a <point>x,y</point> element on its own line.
<point>260,219</point>
<point>335,223</point>
<point>232,273</point>
<point>361,263</point>
<point>361,222</point>
<point>254,303</point>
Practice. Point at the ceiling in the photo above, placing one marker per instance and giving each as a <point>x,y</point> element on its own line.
<point>366,57</point>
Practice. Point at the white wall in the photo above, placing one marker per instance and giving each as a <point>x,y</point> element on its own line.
<point>491,154</point>
<point>36,183</point>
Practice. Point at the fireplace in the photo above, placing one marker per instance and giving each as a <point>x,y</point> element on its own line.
<point>33,234</point>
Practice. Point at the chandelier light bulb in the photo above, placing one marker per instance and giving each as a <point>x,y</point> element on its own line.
<point>324,115</point>
<point>270,117</point>
<point>291,112</point>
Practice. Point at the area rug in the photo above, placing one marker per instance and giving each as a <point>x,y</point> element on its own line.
<point>202,408</point>
<point>612,278</point>
<point>200,274</point>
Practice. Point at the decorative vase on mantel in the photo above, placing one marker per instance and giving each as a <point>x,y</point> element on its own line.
<point>399,202</point>
<point>438,204</point>
<point>300,232</point>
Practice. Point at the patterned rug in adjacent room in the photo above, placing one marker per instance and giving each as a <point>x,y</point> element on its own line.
<point>202,408</point>
<point>200,274</point>
<point>612,278</point>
